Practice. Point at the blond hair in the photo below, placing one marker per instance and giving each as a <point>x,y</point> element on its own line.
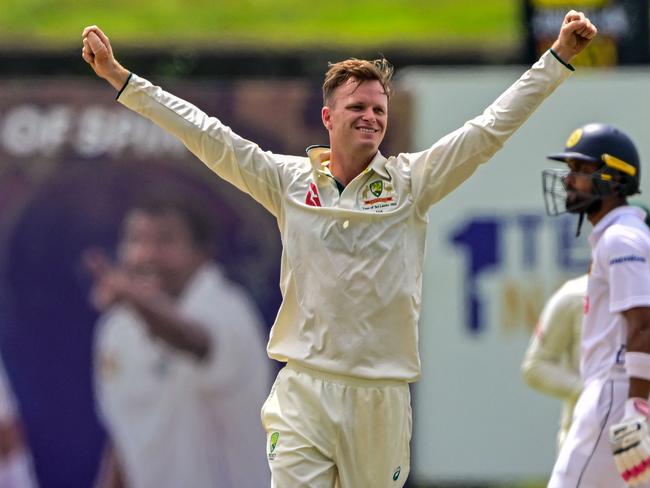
<point>359,69</point>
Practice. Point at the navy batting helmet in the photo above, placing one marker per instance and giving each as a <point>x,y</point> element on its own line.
<point>613,150</point>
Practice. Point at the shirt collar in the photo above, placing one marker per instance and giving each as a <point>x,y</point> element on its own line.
<point>319,158</point>
<point>378,165</point>
<point>610,218</point>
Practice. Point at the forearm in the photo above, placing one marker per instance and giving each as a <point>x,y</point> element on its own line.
<point>235,159</point>
<point>639,388</point>
<point>454,158</point>
<point>547,377</point>
<point>110,472</point>
<point>519,101</point>
<point>639,342</point>
<point>11,439</point>
<point>118,76</point>
<point>163,320</point>
<point>638,351</point>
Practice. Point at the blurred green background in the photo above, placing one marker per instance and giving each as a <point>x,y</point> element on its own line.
<point>422,24</point>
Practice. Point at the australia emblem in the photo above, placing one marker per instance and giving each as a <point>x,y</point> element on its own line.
<point>377,187</point>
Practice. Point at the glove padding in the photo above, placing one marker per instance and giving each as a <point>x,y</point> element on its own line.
<point>631,444</point>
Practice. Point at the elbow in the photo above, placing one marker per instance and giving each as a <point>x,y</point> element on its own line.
<point>528,372</point>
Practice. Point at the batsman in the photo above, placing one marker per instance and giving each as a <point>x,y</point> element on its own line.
<point>353,225</point>
<point>603,170</point>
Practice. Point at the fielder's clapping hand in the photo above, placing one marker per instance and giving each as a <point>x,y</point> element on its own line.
<point>631,443</point>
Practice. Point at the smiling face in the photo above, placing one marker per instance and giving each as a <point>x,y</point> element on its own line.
<point>356,117</point>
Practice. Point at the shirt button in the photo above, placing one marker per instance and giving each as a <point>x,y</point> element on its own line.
<point>346,224</point>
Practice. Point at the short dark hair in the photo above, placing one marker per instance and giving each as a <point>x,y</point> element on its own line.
<point>359,69</point>
<point>184,204</point>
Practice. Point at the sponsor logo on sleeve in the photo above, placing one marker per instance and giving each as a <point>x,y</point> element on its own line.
<point>627,259</point>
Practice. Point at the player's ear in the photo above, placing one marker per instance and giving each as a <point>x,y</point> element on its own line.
<point>326,115</point>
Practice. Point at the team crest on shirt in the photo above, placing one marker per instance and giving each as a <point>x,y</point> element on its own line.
<point>376,187</point>
<point>378,196</point>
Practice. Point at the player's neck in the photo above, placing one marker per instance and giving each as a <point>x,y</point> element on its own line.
<point>607,206</point>
<point>347,166</point>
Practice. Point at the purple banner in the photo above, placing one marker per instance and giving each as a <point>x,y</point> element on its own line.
<point>71,162</point>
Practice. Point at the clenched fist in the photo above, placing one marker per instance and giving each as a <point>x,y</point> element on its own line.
<point>98,53</point>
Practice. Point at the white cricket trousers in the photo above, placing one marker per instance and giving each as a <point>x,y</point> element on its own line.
<point>326,430</point>
<point>586,459</point>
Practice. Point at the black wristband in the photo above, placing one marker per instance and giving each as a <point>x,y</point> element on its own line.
<point>125,84</point>
<point>568,65</point>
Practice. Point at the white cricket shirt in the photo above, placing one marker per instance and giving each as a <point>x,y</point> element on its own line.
<point>552,361</point>
<point>619,280</point>
<point>351,274</point>
<point>174,420</point>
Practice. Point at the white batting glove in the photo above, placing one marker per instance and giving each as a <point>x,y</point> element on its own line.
<point>631,443</point>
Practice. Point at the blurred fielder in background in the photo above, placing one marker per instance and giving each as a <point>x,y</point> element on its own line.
<point>353,226</point>
<point>603,171</point>
<point>180,369</point>
<point>552,361</point>
<point>15,463</point>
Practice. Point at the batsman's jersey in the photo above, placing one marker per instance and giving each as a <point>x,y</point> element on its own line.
<point>619,280</point>
<point>351,269</point>
<point>552,361</point>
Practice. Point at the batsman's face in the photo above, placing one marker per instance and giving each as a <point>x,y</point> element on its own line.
<point>579,185</point>
<point>159,249</point>
<point>356,116</point>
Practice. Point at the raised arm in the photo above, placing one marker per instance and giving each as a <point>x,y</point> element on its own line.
<point>235,159</point>
<point>450,161</point>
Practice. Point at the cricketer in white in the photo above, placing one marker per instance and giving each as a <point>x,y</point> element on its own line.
<point>172,419</point>
<point>180,366</point>
<point>552,361</point>
<point>353,227</point>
